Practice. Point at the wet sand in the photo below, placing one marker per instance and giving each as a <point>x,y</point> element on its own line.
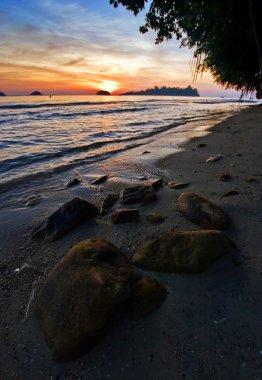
<point>210,324</point>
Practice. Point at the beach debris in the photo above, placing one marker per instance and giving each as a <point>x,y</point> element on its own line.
<point>202,212</point>
<point>155,218</point>
<point>146,295</point>
<point>251,178</point>
<point>32,200</point>
<point>99,180</point>
<point>65,218</point>
<point>201,145</point>
<point>108,202</point>
<point>146,152</point>
<point>137,194</point>
<point>230,192</point>
<point>125,215</point>
<point>25,266</point>
<point>224,176</point>
<point>31,298</point>
<point>186,251</point>
<point>214,158</point>
<point>73,182</point>
<point>178,185</point>
<point>156,183</point>
<point>80,295</point>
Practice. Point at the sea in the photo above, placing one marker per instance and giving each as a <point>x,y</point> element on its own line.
<point>42,135</point>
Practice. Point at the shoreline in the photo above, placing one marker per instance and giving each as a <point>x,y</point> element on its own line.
<point>206,319</point>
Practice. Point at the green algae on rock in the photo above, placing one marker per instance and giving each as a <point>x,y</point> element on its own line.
<point>187,251</point>
<point>202,212</point>
<point>146,295</point>
<point>80,295</point>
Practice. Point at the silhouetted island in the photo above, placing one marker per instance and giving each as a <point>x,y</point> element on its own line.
<point>175,91</point>
<point>102,92</point>
<point>2,94</point>
<point>36,93</point>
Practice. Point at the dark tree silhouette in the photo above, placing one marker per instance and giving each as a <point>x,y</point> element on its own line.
<point>226,36</point>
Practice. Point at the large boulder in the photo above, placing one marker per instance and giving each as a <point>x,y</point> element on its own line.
<point>80,295</point>
<point>65,218</point>
<point>202,212</point>
<point>146,295</point>
<point>187,251</point>
<point>137,194</point>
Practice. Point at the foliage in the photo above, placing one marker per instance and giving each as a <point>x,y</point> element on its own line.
<point>174,91</point>
<point>220,31</point>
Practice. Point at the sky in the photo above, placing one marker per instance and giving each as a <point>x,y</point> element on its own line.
<point>82,46</point>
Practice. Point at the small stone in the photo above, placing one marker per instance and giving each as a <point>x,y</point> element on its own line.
<point>99,180</point>
<point>186,251</point>
<point>229,193</point>
<point>127,215</point>
<point>251,179</point>
<point>238,154</point>
<point>73,182</point>
<point>108,202</point>
<point>214,158</point>
<point>137,194</point>
<point>156,183</point>
<point>146,295</point>
<point>155,218</point>
<point>32,200</point>
<point>146,152</point>
<point>202,212</point>
<point>223,176</point>
<point>178,185</point>
<point>201,145</point>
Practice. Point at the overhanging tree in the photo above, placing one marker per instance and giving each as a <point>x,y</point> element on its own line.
<point>226,36</point>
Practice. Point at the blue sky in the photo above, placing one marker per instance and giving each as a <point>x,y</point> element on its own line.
<point>80,46</point>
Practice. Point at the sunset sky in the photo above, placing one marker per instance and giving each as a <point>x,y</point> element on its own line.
<point>81,46</point>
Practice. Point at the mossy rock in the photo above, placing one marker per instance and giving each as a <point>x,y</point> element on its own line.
<point>202,212</point>
<point>188,251</point>
<point>80,295</point>
<point>108,202</point>
<point>146,295</point>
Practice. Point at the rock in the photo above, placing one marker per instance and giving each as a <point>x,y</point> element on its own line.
<point>80,295</point>
<point>108,202</point>
<point>202,212</point>
<point>102,92</point>
<point>99,180</point>
<point>35,93</point>
<point>178,185</point>
<point>214,158</point>
<point>146,152</point>
<point>188,251</point>
<point>223,176</point>
<point>251,179</point>
<point>137,194</point>
<point>65,218</point>
<point>156,183</point>
<point>201,145</point>
<point>73,182</point>
<point>229,193</point>
<point>155,218</point>
<point>2,94</point>
<point>125,215</point>
<point>146,295</point>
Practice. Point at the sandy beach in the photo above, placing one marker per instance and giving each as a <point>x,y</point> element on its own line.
<point>209,327</point>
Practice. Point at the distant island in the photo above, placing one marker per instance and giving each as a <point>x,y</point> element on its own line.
<point>102,92</point>
<point>36,93</point>
<point>2,94</point>
<point>175,91</point>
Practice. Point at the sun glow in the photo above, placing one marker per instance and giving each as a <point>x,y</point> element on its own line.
<point>109,85</point>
